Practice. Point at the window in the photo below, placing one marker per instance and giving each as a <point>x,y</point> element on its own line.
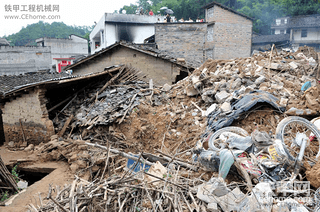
<point>282,21</point>
<point>304,33</point>
<point>281,31</point>
<point>288,31</point>
<point>210,33</point>
<point>102,37</point>
<point>278,21</point>
<point>285,21</point>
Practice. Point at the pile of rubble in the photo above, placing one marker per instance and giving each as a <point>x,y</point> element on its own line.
<point>103,104</point>
<point>136,147</point>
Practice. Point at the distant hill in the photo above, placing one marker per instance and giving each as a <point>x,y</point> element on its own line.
<point>27,35</point>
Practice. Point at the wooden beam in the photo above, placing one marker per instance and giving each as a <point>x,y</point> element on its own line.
<point>60,134</point>
<point>57,105</point>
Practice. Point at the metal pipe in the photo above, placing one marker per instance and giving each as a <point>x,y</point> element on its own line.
<point>302,149</point>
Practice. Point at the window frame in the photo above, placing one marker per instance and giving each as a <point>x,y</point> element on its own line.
<point>304,33</point>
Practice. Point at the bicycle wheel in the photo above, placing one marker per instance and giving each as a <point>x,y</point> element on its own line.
<point>215,135</point>
<point>287,130</point>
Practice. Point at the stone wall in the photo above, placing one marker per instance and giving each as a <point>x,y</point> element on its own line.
<point>31,109</point>
<point>231,34</point>
<point>183,40</point>
<point>22,59</point>
<point>158,69</point>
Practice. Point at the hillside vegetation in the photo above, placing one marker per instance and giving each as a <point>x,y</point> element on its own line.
<point>27,35</point>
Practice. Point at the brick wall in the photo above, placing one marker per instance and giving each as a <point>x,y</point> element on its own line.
<point>160,70</point>
<point>183,40</point>
<point>31,109</point>
<point>231,34</point>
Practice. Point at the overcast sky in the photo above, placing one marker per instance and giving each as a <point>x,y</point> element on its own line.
<point>71,12</point>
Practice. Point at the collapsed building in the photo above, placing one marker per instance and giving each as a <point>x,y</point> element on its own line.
<point>216,138</point>
<point>109,125</point>
<point>143,140</point>
<point>265,42</point>
<point>27,100</point>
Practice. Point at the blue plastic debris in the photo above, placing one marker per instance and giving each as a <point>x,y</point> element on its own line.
<point>226,161</point>
<point>141,166</point>
<point>306,86</point>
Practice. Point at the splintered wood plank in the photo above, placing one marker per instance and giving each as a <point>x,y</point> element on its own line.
<point>60,134</point>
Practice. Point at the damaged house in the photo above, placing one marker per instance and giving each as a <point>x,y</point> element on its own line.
<point>156,66</point>
<point>265,42</point>
<point>31,102</point>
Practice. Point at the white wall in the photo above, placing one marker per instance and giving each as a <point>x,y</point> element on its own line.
<point>138,28</point>
<point>110,34</point>
<point>95,34</point>
<point>98,27</point>
<point>142,32</point>
<point>133,32</point>
<point>66,48</point>
<point>312,35</point>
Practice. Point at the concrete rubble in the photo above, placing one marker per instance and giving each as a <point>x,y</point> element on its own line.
<point>219,140</point>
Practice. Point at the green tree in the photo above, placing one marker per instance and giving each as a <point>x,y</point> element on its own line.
<point>300,7</point>
<point>129,9</point>
<point>28,35</point>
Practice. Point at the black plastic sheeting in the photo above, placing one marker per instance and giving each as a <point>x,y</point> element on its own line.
<point>218,120</point>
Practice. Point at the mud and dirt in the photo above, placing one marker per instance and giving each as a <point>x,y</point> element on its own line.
<point>60,176</point>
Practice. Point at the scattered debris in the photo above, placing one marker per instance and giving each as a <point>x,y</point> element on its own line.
<point>218,140</point>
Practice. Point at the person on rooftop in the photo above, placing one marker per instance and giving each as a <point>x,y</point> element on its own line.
<point>168,18</point>
<point>151,12</point>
